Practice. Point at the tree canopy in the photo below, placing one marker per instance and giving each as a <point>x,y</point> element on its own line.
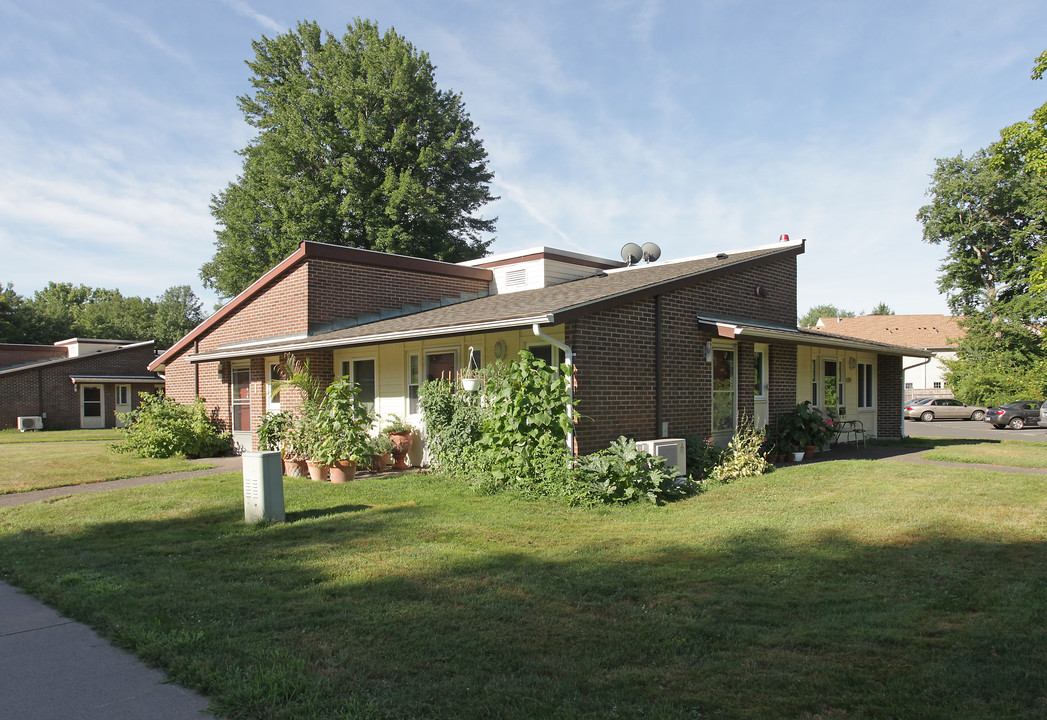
<point>64,310</point>
<point>810,319</point>
<point>991,217</point>
<point>882,309</point>
<point>356,146</point>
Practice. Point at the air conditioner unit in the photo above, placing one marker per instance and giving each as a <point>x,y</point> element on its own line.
<point>674,450</point>
<point>30,422</point>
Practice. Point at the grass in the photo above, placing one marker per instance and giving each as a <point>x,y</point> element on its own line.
<point>831,590</point>
<point>35,466</point>
<point>14,436</point>
<point>1013,453</point>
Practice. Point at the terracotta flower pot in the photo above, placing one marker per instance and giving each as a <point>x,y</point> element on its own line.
<point>293,467</point>
<point>808,451</point>
<point>401,446</point>
<point>380,462</point>
<point>343,471</point>
<point>317,472</point>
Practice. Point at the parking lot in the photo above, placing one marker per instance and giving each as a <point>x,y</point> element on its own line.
<point>971,430</point>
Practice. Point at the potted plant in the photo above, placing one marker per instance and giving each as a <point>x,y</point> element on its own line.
<point>378,447</point>
<point>792,434</point>
<point>470,381</point>
<point>400,433</point>
<point>341,424</point>
<point>295,446</point>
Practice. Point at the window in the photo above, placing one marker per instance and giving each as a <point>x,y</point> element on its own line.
<point>908,386</point>
<point>938,385</point>
<point>362,373</point>
<point>439,365</point>
<point>475,360</point>
<point>123,395</point>
<point>865,385</point>
<point>273,374</point>
<point>724,387</point>
<point>760,374</point>
<point>414,379</point>
<point>832,386</point>
<point>814,381</point>
<point>241,400</point>
<point>545,352</point>
<point>92,401</point>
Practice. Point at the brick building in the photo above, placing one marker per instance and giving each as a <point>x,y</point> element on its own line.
<point>664,349</point>
<point>75,383</point>
<point>936,334</point>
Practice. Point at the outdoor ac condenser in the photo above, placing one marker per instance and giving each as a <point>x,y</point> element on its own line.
<point>30,422</point>
<point>674,450</point>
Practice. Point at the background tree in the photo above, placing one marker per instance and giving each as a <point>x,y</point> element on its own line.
<point>810,319</point>
<point>882,309</point>
<point>63,310</point>
<point>177,311</point>
<point>991,218</point>
<point>356,147</point>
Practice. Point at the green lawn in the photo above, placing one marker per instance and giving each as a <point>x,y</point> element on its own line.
<point>14,436</point>
<point>830,590</point>
<point>35,465</point>
<point>1014,453</point>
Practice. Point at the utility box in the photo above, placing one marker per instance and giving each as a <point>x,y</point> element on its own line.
<point>263,487</point>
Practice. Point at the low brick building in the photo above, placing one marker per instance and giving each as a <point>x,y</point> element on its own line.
<point>664,349</point>
<point>75,383</point>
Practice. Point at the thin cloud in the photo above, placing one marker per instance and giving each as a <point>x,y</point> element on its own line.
<point>244,10</point>
<point>143,32</point>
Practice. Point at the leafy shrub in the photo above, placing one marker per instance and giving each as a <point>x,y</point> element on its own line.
<point>622,474</point>
<point>702,456</point>
<point>162,428</point>
<point>744,456</point>
<point>452,425</point>
<point>271,430</point>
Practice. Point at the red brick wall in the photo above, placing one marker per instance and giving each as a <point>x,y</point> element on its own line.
<point>340,290</point>
<point>615,364</point>
<point>48,389</point>
<point>889,376</point>
<point>12,354</point>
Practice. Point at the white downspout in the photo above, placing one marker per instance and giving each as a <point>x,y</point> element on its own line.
<point>569,361</point>
<point>908,367</point>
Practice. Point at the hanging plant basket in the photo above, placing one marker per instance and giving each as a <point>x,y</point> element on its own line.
<point>470,384</point>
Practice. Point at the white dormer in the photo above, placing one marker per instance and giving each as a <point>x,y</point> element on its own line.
<point>86,346</point>
<point>539,267</point>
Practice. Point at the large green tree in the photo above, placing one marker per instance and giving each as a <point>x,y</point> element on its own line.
<point>991,218</point>
<point>356,146</point>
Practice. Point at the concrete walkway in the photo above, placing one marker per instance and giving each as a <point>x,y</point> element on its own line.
<point>52,668</point>
<point>221,465</point>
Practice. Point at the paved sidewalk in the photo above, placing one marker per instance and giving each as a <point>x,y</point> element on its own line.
<point>221,465</point>
<point>52,668</point>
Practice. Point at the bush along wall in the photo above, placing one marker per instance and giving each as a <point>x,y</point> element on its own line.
<point>512,435</point>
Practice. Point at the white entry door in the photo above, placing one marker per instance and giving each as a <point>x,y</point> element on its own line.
<point>92,407</point>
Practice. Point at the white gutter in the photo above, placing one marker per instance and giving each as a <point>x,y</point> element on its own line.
<point>307,344</point>
<point>569,361</point>
<point>908,367</point>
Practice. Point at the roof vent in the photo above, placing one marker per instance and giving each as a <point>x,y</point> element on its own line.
<point>516,278</point>
<point>721,256</point>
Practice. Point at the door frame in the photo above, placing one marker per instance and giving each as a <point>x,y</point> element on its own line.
<point>92,422</point>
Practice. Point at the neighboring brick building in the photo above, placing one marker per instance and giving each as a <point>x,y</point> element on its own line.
<point>935,334</point>
<point>75,383</point>
<point>658,349</point>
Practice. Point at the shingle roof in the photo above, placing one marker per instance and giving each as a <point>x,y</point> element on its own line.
<point>919,331</point>
<point>549,305</point>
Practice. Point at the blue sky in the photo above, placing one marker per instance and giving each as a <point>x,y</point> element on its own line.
<point>701,126</point>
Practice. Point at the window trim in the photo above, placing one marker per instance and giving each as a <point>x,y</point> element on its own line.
<point>763,351</point>
<point>351,362</point>
<point>866,385</point>
<point>270,404</point>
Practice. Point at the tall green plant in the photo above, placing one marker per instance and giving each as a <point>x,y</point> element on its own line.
<point>160,427</point>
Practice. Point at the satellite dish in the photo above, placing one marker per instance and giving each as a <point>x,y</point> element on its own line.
<point>651,252</point>
<point>632,253</point>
